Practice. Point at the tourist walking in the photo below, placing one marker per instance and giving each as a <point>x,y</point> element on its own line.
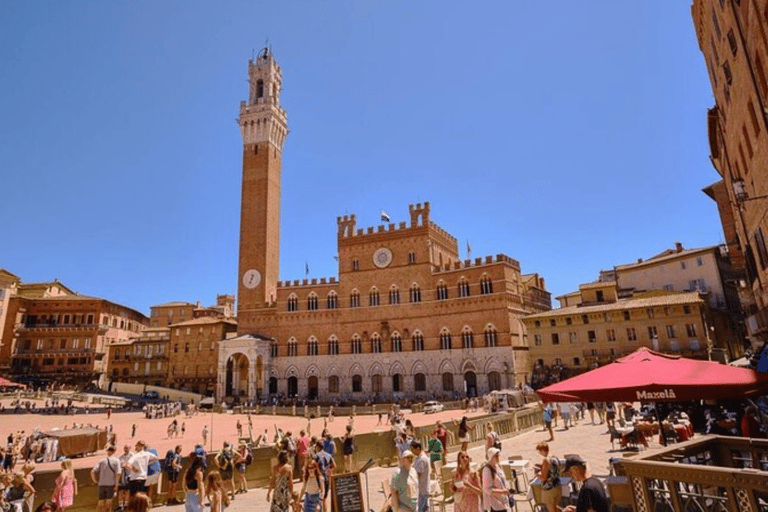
<point>225,462</point>
<point>467,490</point>
<point>122,484</point>
<point>491,438</point>
<point>464,429</point>
<point>548,413</point>
<point>313,488</point>
<point>106,475</point>
<point>549,474</point>
<point>66,486</point>
<point>348,445</point>
<point>326,464</point>
<point>405,485</point>
<point>281,483</point>
<point>495,492</point>
<point>205,435</point>
<point>194,486</point>
<point>172,472</point>
<point>242,460</point>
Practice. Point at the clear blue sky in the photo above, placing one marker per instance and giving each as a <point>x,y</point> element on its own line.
<point>569,135</point>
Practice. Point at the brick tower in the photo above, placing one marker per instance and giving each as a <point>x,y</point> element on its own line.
<point>263,125</point>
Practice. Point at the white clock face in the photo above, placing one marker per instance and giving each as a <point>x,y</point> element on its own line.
<point>251,278</point>
<point>382,257</point>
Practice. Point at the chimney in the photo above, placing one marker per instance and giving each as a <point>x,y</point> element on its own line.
<point>639,260</point>
<point>678,247</point>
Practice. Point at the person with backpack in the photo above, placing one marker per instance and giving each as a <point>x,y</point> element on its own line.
<point>172,470</point>
<point>492,438</point>
<point>495,491</point>
<point>549,474</point>
<point>225,463</point>
<point>106,475</point>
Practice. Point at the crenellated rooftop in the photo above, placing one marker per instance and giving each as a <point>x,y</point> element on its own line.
<point>419,213</point>
<point>306,282</point>
<point>478,262</point>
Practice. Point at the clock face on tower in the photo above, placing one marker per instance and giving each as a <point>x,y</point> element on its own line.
<point>251,278</point>
<point>382,257</point>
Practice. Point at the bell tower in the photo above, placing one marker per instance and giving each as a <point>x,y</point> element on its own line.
<point>263,126</point>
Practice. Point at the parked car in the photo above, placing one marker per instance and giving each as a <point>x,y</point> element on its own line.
<point>432,407</point>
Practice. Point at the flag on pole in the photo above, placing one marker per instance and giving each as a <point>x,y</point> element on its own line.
<point>469,249</point>
<point>384,216</point>
<point>306,268</point>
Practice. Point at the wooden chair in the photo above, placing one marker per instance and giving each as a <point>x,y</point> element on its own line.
<point>537,505</point>
<point>620,491</point>
<point>439,501</point>
<point>438,471</point>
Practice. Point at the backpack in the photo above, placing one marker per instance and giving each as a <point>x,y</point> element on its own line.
<point>248,458</point>
<point>168,461</point>
<point>226,457</point>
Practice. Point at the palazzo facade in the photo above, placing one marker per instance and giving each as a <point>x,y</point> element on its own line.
<point>406,316</point>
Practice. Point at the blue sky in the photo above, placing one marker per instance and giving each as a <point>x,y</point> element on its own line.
<point>570,136</point>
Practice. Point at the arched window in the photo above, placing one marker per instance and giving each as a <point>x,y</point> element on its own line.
<point>312,301</point>
<point>357,345</point>
<point>447,381</point>
<point>273,348</point>
<point>467,338</point>
<point>376,383</point>
<point>415,293</point>
<point>411,258</point>
<point>486,285</point>
<point>293,302</point>
<point>418,341</point>
<point>260,88</point>
<point>357,384</point>
<point>463,288</point>
<point>394,295</point>
<point>376,343</point>
<point>445,339</point>
<point>312,346</point>
<point>293,347</point>
<point>419,382</point>
<point>333,300</point>
<point>373,297</point>
<point>442,291</point>
<point>491,337</point>
<point>333,346</point>
<point>397,342</point>
<point>397,382</point>
<point>354,299</point>
<point>333,384</point>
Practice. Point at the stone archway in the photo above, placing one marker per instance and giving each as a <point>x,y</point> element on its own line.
<point>470,383</point>
<point>313,387</point>
<point>238,369</point>
<point>243,367</point>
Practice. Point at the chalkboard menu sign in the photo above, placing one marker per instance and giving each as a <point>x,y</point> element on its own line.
<point>347,493</point>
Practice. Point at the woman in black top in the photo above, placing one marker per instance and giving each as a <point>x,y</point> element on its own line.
<point>193,481</point>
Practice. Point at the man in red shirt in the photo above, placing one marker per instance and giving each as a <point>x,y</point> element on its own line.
<point>302,446</point>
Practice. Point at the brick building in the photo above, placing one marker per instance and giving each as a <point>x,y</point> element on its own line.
<point>405,317</point>
<point>733,37</point>
<point>141,360</point>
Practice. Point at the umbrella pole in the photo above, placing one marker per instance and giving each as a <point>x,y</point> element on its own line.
<point>661,426</point>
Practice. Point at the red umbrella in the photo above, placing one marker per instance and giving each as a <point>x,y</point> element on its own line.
<point>645,375</point>
<point>5,383</point>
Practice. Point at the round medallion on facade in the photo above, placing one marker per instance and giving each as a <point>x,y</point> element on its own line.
<point>382,257</point>
<point>251,278</point>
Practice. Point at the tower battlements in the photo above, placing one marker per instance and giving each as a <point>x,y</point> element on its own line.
<point>419,214</point>
<point>478,262</point>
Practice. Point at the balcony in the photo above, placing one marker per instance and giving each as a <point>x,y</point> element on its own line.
<point>54,351</point>
<point>48,328</point>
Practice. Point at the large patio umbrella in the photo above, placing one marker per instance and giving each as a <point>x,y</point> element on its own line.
<point>645,375</point>
<point>5,383</point>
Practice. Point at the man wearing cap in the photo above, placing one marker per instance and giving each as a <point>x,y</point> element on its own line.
<point>421,465</point>
<point>405,485</point>
<point>106,475</point>
<point>592,495</point>
<point>138,465</point>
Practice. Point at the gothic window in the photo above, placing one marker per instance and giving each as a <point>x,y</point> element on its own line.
<point>467,338</point>
<point>354,299</point>
<point>415,293</point>
<point>357,384</point>
<point>357,345</point>
<point>376,383</point>
<point>373,297</point>
<point>418,341</point>
<point>333,300</point>
<point>442,291</point>
<point>447,381</point>
<point>273,348</point>
<point>397,380</point>
<point>445,339</point>
<point>260,88</point>
<point>312,346</point>
<point>333,384</point>
<point>486,285</point>
<point>312,302</point>
<point>419,382</point>
<point>333,346</point>
<point>491,337</point>
<point>292,347</point>
<point>293,303</point>
<point>411,258</point>
<point>397,342</point>
<point>463,288</point>
<point>355,264</point>
<point>376,344</point>
<point>394,295</point>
